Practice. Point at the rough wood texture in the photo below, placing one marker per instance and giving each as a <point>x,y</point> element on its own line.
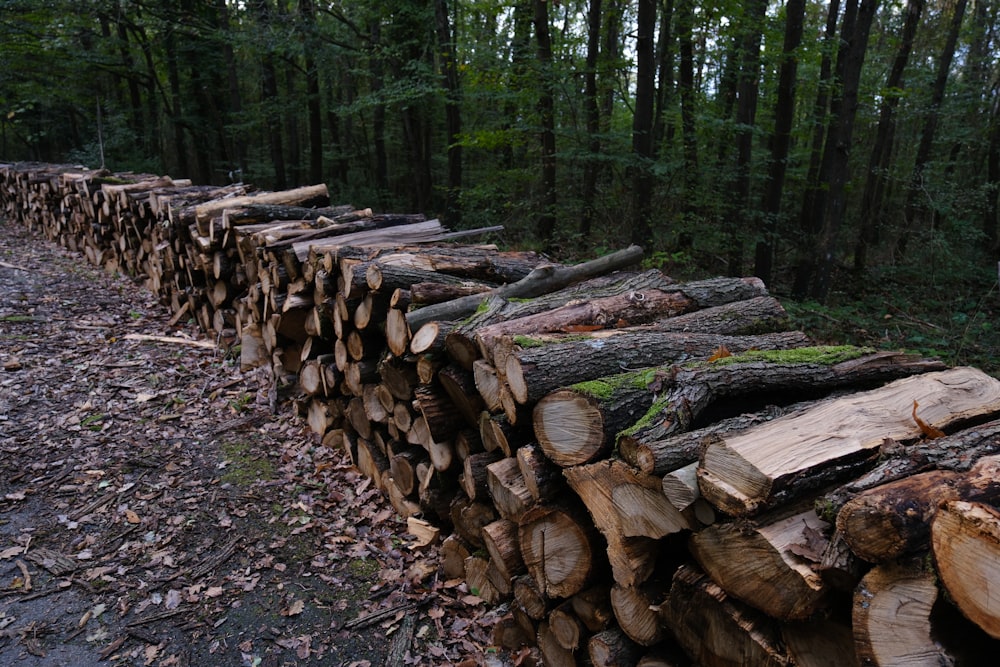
<point>557,546</point>
<point>742,474</point>
<point>716,630</point>
<point>965,538</point>
<point>891,616</point>
<point>767,566</point>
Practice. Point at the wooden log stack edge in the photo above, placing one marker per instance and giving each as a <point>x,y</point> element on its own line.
<point>644,472</point>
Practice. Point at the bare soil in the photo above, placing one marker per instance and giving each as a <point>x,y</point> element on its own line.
<point>155,511</point>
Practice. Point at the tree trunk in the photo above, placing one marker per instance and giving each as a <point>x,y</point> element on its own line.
<point>448,44</point>
<point>642,123</point>
<point>592,166</point>
<point>780,140</point>
<point>870,215</point>
<point>546,223</point>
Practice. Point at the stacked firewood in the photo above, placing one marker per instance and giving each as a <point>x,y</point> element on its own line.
<point>642,472</point>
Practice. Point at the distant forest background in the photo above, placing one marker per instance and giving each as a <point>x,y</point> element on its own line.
<point>847,152</point>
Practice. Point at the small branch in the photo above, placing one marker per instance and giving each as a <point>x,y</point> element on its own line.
<point>170,339</point>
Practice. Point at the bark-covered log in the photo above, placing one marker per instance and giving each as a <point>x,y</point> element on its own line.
<point>501,540</point>
<point>783,458</point>
<point>612,648</point>
<point>542,365</point>
<point>958,452</point>
<point>820,642</point>
<point>542,279</point>
<point>542,478</point>
<point>889,521</point>
<point>507,488</point>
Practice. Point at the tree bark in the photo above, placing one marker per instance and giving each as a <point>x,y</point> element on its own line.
<point>776,461</point>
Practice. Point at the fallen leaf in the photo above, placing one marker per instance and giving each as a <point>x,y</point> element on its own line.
<point>10,552</point>
<point>929,431</point>
<point>173,599</point>
<point>132,517</point>
<point>293,609</point>
<point>17,495</point>
<point>213,592</point>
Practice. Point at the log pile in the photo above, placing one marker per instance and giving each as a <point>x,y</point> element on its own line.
<point>644,472</point>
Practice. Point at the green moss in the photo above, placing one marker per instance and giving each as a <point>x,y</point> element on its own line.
<point>527,341</point>
<point>822,354</point>
<point>244,467</point>
<point>825,510</point>
<point>604,388</point>
<point>363,568</point>
<point>655,410</point>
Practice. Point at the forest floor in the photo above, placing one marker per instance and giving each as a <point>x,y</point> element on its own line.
<point>154,511</point>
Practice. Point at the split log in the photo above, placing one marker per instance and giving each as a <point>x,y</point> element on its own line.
<point>469,517</point>
<point>624,500</point>
<point>965,538</point>
<point>477,578</point>
<point>780,459</point>
<point>507,488</point>
<point>453,552</point>
<point>768,566</point>
<point>545,364</point>
<point>891,616</point>
<point>567,629</point>
<point>534,603</point>
<point>553,653</point>
<point>557,548</point>
<point>957,452</point>
<point>542,478</point>
<point>716,630</point>
<point>501,540</point>
<point>473,480</point>
<point>680,487</point>
<point>593,607</point>
<point>637,611</point>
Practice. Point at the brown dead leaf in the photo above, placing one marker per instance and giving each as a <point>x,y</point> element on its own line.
<point>294,609</point>
<point>132,517</point>
<point>720,352</point>
<point>213,592</point>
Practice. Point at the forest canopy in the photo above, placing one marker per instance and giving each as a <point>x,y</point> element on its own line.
<point>816,145</point>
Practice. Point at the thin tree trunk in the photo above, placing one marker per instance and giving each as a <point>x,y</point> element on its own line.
<point>174,79</point>
<point>591,166</point>
<point>378,111</point>
<point>741,213</point>
<point>686,84</point>
<point>820,117</point>
<point>871,198</point>
<point>546,110</point>
<point>642,123</point>
<point>307,9</point>
<point>447,45</point>
<point>784,113</point>
<point>915,210</point>
<point>840,145</point>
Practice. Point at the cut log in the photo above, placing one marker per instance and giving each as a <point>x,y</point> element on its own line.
<point>593,607</point>
<point>453,552</point>
<point>541,280</point>
<point>385,276</point>
<point>460,385</point>
<point>531,600</point>
<point>557,548</point>
<point>477,578</point>
<point>313,195</point>
<point>567,629</point>
<point>623,500</point>
<point>965,538</point>
<point>891,616</point>
<point>507,488</point>
<point>612,648</point>
<point>469,517</point>
<point>473,480</point>
<point>820,643</point>
<point>542,478</point>
<point>716,630</point>
<point>767,566</point>
<point>500,538</point>
<point>681,490</point>
<point>777,460</point>
<point>553,654</point>
<point>637,611</point>
<point>543,365</point>
<point>957,452</point>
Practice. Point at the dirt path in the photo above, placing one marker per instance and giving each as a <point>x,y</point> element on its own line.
<point>153,511</point>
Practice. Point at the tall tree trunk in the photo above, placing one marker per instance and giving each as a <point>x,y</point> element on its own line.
<point>546,110</point>
<point>740,216</point>
<point>991,214</point>
<point>447,43</point>
<point>784,113</point>
<point>915,210</point>
<point>808,224</point>
<point>176,114</point>
<point>591,166</point>
<point>376,72</point>
<point>871,197</point>
<point>664,76</point>
<point>839,144</point>
<point>237,138</point>
<point>307,9</point>
<point>269,92</point>
<point>134,95</point>
<point>686,84</point>
<point>642,123</point>
<point>292,125</point>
